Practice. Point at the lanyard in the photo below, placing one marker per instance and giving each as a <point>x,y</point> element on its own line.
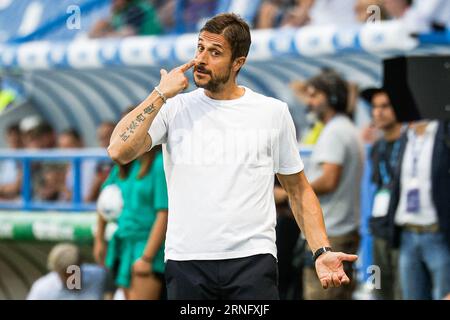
<point>415,151</point>
<point>386,175</point>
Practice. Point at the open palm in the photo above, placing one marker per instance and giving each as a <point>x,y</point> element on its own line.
<point>330,268</point>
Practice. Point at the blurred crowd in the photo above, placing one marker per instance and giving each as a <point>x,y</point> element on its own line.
<point>52,181</point>
<point>409,222</point>
<point>155,17</point>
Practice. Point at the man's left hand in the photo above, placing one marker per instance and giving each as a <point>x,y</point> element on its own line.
<point>330,268</point>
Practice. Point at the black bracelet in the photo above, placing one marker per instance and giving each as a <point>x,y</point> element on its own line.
<point>319,252</point>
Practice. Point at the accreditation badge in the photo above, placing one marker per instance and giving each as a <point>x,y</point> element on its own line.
<point>381,203</point>
<point>413,196</point>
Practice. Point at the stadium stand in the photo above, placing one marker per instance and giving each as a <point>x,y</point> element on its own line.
<point>75,82</point>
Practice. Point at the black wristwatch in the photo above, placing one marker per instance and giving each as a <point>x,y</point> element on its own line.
<point>319,252</point>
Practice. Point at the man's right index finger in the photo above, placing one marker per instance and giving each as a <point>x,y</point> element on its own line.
<point>185,67</point>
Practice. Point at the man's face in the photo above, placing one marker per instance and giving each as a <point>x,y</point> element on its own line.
<point>317,101</point>
<point>214,65</point>
<point>14,140</point>
<point>382,112</point>
<point>67,141</point>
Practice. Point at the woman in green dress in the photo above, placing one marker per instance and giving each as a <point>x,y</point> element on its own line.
<point>135,253</point>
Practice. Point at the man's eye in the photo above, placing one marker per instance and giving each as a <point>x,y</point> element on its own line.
<point>216,53</point>
<point>200,48</point>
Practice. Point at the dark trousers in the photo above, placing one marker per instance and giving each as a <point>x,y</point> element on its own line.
<point>249,278</point>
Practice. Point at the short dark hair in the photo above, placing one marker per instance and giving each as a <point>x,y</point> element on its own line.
<point>334,87</point>
<point>72,132</point>
<point>13,128</point>
<point>235,30</point>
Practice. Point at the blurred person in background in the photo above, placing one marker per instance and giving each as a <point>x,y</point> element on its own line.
<point>47,177</point>
<point>196,10</point>
<point>128,18</point>
<point>60,283</point>
<point>385,155</point>
<point>335,168</point>
<point>426,16</point>
<point>420,212</point>
<point>332,12</point>
<point>10,170</point>
<point>364,10</point>
<point>71,139</point>
<point>102,168</point>
<point>272,13</point>
<point>135,254</point>
<point>396,9</point>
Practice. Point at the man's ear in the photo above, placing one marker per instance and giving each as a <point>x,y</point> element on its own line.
<point>238,63</point>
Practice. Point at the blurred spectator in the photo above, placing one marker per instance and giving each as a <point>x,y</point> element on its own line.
<point>277,13</point>
<point>419,212</point>
<point>128,18</point>
<point>363,10</point>
<point>135,254</point>
<point>166,10</point>
<point>397,8</point>
<point>37,133</point>
<point>385,155</point>
<point>335,173</point>
<point>426,15</point>
<point>10,170</point>
<point>47,177</point>
<point>194,11</point>
<point>332,12</point>
<point>57,285</point>
<point>102,168</point>
<point>71,139</point>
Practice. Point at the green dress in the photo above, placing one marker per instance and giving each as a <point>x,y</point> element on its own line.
<point>142,199</point>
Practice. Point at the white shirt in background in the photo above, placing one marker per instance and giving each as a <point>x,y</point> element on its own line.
<point>333,12</point>
<point>427,213</point>
<point>420,16</point>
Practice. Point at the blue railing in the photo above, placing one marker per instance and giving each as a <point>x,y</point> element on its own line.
<point>74,157</point>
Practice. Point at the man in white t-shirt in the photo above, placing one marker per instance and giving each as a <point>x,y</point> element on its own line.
<point>223,143</point>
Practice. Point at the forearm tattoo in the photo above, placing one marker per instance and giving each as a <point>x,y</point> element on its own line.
<point>134,124</point>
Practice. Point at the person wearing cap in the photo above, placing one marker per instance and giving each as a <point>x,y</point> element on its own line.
<point>64,261</point>
<point>384,155</point>
<point>335,168</point>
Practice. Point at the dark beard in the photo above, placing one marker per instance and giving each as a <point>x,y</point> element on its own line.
<point>214,84</point>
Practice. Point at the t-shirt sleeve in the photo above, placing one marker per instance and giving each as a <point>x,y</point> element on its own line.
<point>159,181</point>
<point>287,155</point>
<point>330,148</point>
<point>159,127</point>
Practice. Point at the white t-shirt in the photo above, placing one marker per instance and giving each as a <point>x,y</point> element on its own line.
<point>421,146</point>
<point>220,157</point>
<point>339,143</point>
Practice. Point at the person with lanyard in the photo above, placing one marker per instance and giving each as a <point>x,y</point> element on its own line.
<point>420,212</point>
<point>384,155</point>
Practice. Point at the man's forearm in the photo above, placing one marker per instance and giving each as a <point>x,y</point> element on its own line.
<point>130,137</point>
<point>308,214</point>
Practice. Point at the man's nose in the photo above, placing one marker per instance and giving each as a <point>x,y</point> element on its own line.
<point>201,57</point>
